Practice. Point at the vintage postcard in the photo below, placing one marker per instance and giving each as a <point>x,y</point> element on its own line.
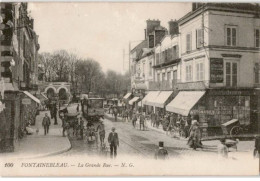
<point>129,88</point>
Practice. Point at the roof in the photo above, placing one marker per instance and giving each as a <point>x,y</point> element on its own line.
<point>140,46</point>
<point>250,8</point>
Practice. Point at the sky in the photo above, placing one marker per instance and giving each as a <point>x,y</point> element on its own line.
<point>100,30</point>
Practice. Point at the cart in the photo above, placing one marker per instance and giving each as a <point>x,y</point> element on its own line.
<point>234,127</point>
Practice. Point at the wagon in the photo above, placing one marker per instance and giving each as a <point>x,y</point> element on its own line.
<point>234,127</point>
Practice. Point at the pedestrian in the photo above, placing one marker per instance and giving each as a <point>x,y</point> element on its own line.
<point>161,153</point>
<point>46,123</point>
<point>115,113</point>
<point>64,124</point>
<point>194,140</point>
<point>141,121</point>
<point>81,127</point>
<point>102,133</point>
<point>126,115</point>
<point>130,114</point>
<point>55,114</point>
<point>152,118</point>
<point>114,143</point>
<point>77,108</point>
<point>222,149</point>
<point>134,119</point>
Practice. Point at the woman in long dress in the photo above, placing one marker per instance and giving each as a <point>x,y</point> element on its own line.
<point>194,140</point>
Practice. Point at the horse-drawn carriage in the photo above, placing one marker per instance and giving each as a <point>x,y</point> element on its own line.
<point>93,111</point>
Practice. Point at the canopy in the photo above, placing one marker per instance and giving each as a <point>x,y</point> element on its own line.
<point>32,97</point>
<point>184,102</point>
<point>150,97</point>
<point>132,101</point>
<point>162,98</point>
<point>127,96</point>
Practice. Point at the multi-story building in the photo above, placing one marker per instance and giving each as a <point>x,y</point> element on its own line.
<point>211,58</point>
<point>19,47</point>
<point>219,65</point>
<point>142,60</point>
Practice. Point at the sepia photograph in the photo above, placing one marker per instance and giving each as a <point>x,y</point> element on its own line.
<point>129,88</point>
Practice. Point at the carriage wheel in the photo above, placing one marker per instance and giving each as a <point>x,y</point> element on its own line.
<point>236,130</point>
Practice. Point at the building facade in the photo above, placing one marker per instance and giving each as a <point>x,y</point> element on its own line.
<point>19,49</point>
<point>211,58</point>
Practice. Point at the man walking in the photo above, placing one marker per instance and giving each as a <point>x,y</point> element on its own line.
<point>115,113</point>
<point>134,120</point>
<point>46,123</point>
<point>142,119</point>
<point>114,142</point>
<point>102,133</point>
<point>55,114</point>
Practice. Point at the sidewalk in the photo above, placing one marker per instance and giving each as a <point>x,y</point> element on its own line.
<point>40,145</point>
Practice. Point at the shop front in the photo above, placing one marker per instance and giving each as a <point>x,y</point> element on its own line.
<point>133,102</point>
<point>215,107</point>
<point>148,101</point>
<point>29,106</point>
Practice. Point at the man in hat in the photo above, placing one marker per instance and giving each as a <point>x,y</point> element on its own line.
<point>114,142</point>
<point>102,133</point>
<point>46,123</point>
<point>161,153</point>
<point>142,119</point>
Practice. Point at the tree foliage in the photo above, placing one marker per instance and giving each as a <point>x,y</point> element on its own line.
<point>85,75</point>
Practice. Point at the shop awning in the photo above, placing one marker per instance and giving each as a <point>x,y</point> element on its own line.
<point>162,98</point>
<point>184,102</point>
<point>32,97</point>
<point>127,96</point>
<point>150,97</point>
<point>132,101</point>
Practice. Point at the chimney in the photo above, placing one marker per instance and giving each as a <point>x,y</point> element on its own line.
<point>151,40</point>
<point>173,27</point>
<point>145,37</point>
<point>151,25</point>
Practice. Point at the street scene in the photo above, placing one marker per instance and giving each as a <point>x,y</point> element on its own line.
<point>103,83</point>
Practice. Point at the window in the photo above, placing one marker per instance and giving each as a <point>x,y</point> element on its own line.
<point>231,74</point>
<point>199,36</point>
<point>231,36</point>
<point>200,71</point>
<point>257,73</point>
<point>150,68</point>
<point>188,73</point>
<point>157,59</point>
<point>163,77</point>
<point>188,42</point>
<point>158,77</point>
<point>174,76</point>
<point>257,38</point>
<point>169,76</point>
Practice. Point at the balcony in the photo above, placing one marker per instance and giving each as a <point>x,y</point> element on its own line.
<point>162,85</point>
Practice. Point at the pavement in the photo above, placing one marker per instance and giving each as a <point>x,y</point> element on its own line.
<point>39,145</point>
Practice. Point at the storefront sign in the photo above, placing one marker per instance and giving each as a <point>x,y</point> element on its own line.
<point>26,101</point>
<point>230,92</point>
<point>216,70</point>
